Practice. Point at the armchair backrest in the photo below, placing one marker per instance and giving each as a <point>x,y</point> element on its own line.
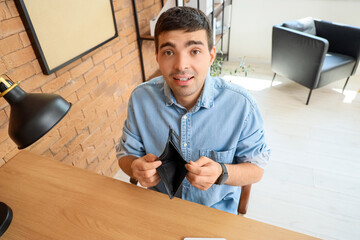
<point>342,38</point>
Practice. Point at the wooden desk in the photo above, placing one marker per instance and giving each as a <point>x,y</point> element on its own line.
<point>51,200</point>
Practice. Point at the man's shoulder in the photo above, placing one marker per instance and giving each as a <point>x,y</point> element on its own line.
<point>233,90</point>
<point>152,86</point>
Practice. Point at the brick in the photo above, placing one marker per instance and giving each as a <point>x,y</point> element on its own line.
<point>78,159</point>
<point>25,39</point>
<point>48,154</point>
<point>99,90</point>
<point>19,58</point>
<point>35,82</point>
<point>10,44</point>
<point>3,117</point>
<point>76,141</point>
<point>12,7</point>
<point>56,83</point>
<point>111,60</point>
<point>47,140</point>
<point>3,133</point>
<point>123,13</point>
<point>102,55</point>
<point>68,67</point>
<point>117,5</point>
<point>11,26</point>
<point>71,87</point>
<point>37,66</point>
<point>64,140</point>
<point>3,68</point>
<point>120,44</point>
<point>92,166</point>
<point>87,88</point>
<point>107,74</point>
<point>78,106</point>
<point>81,68</point>
<point>23,72</point>
<point>148,3</point>
<point>94,72</point>
<point>61,155</point>
<point>2,162</point>
<point>131,38</point>
<point>4,11</point>
<point>6,146</point>
<point>11,153</point>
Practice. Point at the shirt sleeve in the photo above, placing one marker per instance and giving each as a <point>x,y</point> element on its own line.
<point>130,142</point>
<point>251,145</point>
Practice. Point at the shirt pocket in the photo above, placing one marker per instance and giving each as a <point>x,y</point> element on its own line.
<point>226,156</point>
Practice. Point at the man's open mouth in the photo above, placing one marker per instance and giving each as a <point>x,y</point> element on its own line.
<point>183,79</point>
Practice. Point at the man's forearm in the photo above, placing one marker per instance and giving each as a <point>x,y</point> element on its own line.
<point>243,174</point>
<point>125,164</point>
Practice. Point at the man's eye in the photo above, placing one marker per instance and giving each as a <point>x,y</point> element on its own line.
<point>195,52</point>
<point>168,53</point>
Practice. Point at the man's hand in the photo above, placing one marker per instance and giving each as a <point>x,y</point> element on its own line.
<point>144,170</point>
<point>203,173</point>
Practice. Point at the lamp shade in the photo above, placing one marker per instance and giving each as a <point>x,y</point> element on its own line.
<point>32,115</point>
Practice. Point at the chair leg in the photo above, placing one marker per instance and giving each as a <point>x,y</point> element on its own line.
<point>347,80</point>
<point>244,199</point>
<point>308,99</point>
<point>273,79</point>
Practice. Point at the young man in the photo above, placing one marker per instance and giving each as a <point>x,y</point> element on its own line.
<point>218,124</point>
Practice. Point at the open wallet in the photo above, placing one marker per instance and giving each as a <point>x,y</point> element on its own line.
<point>172,170</point>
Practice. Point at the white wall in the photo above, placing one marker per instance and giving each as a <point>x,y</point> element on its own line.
<point>252,21</point>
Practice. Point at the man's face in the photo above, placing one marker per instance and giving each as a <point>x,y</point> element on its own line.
<point>184,61</point>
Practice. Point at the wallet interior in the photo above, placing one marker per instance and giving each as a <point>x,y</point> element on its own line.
<point>172,170</point>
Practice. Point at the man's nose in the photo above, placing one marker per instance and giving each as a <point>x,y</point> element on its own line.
<point>182,62</point>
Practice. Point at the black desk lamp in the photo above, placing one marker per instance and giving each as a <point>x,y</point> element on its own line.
<point>32,115</point>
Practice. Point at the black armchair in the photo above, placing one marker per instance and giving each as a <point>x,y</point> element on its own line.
<point>315,53</point>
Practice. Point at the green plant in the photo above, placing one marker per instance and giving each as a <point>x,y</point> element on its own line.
<point>242,68</point>
<point>216,67</point>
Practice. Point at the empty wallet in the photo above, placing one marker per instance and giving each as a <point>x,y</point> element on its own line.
<point>172,170</point>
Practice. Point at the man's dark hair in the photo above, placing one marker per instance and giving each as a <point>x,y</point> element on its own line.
<point>183,18</point>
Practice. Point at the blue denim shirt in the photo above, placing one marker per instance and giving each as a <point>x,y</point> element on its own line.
<point>225,125</point>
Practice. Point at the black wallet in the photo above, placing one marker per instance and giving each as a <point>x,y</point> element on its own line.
<point>172,170</point>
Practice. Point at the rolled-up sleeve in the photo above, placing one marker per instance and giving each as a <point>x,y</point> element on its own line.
<point>251,145</point>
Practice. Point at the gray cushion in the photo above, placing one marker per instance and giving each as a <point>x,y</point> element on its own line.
<point>306,25</point>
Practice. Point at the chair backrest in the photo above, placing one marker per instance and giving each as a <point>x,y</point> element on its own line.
<point>244,196</point>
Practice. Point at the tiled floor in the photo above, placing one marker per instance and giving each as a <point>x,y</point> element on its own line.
<point>312,184</point>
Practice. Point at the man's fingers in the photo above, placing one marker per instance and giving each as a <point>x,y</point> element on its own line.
<point>202,161</point>
<point>144,165</point>
<point>150,157</point>
<point>198,170</point>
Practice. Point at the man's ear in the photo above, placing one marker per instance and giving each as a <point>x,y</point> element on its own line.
<point>212,55</point>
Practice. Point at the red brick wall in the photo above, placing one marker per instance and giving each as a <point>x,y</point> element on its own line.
<point>98,85</point>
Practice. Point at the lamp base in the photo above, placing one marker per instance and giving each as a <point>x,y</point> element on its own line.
<point>6,216</point>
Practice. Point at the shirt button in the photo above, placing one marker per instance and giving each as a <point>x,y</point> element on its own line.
<point>185,117</point>
<point>185,144</point>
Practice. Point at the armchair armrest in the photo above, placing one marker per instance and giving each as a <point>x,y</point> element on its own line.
<point>297,55</point>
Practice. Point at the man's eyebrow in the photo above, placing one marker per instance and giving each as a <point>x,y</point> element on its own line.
<point>167,44</point>
<point>193,42</point>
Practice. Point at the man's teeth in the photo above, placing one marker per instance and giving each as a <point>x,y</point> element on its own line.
<point>183,79</point>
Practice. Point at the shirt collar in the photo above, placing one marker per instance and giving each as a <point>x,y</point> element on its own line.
<point>205,100</point>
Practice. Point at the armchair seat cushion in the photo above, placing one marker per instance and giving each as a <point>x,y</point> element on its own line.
<point>334,60</point>
<point>336,66</point>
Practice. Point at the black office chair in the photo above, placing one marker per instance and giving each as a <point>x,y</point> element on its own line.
<point>315,53</point>
<point>244,197</point>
